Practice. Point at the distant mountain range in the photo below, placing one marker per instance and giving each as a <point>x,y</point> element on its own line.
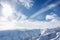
<point>35,34</point>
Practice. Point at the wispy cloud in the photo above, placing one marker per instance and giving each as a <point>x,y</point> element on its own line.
<point>27,24</point>
<point>52,16</point>
<point>43,10</point>
<point>23,23</point>
<point>10,13</point>
<point>27,3</point>
<point>18,16</point>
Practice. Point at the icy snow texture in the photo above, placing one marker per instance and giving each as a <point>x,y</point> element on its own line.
<point>36,34</point>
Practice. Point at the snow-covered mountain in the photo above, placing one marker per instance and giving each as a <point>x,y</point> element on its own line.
<point>35,34</point>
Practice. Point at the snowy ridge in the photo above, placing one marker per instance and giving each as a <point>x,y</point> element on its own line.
<point>34,34</point>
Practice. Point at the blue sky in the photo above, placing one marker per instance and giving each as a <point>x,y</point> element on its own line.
<point>37,5</point>
<point>28,10</point>
<point>29,14</point>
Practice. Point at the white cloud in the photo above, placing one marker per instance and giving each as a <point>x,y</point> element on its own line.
<point>43,10</point>
<point>27,24</point>
<point>52,16</point>
<point>8,11</point>
<point>27,3</point>
<point>18,16</point>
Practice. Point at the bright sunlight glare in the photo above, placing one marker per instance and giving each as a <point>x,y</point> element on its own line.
<point>7,10</point>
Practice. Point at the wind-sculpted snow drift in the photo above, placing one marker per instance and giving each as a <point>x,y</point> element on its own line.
<point>35,34</point>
